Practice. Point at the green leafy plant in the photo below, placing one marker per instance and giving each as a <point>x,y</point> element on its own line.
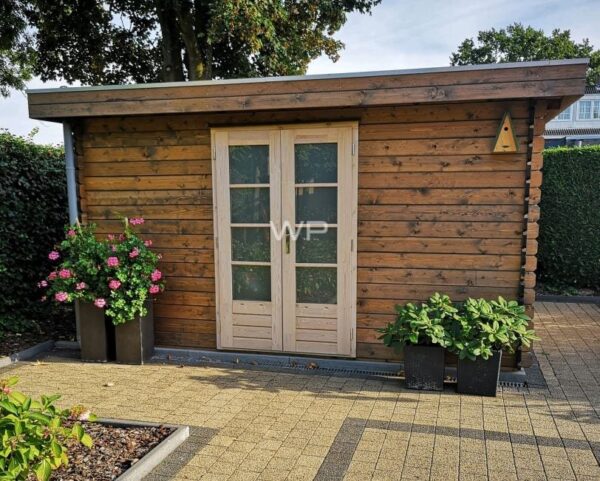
<point>481,327</point>
<point>118,274</point>
<point>32,214</point>
<point>569,245</point>
<point>35,435</point>
<point>423,324</point>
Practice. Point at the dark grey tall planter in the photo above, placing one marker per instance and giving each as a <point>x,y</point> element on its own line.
<point>424,367</point>
<point>97,334</point>
<point>135,339</point>
<point>479,377</point>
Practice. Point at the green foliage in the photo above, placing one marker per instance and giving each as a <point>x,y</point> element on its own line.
<point>119,41</point>
<point>517,43</point>
<point>35,434</point>
<point>118,273</point>
<point>569,244</point>
<point>16,55</point>
<point>481,327</point>
<point>424,324</point>
<point>470,329</point>
<point>32,213</point>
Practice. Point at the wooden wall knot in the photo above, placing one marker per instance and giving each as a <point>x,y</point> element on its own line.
<point>436,93</point>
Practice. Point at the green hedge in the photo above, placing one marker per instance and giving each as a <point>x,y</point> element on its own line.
<point>33,212</point>
<point>569,242</point>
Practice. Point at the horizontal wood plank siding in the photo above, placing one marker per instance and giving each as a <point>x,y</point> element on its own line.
<point>437,210</point>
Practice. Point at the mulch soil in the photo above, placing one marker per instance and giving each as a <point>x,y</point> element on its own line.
<point>114,451</point>
<point>61,328</point>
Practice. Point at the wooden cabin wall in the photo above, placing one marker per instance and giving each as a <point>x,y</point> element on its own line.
<point>437,210</point>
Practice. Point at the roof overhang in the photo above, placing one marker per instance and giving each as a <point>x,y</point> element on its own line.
<point>558,79</point>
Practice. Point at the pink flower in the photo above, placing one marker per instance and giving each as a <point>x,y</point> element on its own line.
<point>112,262</point>
<point>71,233</point>
<point>64,273</point>
<point>52,275</point>
<point>113,248</point>
<point>100,303</point>
<point>154,289</point>
<point>156,275</point>
<point>61,296</point>
<point>110,237</point>
<point>6,390</point>
<point>114,284</point>
<point>80,286</point>
<point>148,243</point>
<point>43,298</point>
<point>121,237</point>
<point>53,255</point>
<point>43,283</point>
<point>136,220</point>
<point>134,253</point>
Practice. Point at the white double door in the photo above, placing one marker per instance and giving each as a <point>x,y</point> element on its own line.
<point>285,238</point>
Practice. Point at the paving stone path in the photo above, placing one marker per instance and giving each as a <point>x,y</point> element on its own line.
<point>262,425</point>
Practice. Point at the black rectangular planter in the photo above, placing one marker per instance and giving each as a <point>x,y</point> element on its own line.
<point>135,339</point>
<point>424,367</point>
<point>97,334</point>
<point>479,377</point>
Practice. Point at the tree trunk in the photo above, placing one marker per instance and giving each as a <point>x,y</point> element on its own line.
<point>172,64</point>
<point>185,20</point>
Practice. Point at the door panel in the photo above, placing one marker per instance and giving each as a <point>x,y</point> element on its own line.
<point>318,169</point>
<point>247,193</point>
<point>294,292</point>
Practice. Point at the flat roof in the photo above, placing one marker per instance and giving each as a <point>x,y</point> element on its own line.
<point>344,75</point>
<point>546,78</point>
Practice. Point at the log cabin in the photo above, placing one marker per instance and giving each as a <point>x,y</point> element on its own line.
<point>293,213</point>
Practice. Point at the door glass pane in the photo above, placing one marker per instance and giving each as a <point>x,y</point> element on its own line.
<point>316,163</point>
<point>316,204</point>
<point>251,283</point>
<point>249,164</point>
<point>251,244</point>
<point>316,285</point>
<point>250,205</point>
<point>316,246</point>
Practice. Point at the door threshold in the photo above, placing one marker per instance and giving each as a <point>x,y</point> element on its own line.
<point>308,364</point>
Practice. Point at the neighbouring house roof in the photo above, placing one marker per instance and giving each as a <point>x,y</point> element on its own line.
<point>571,132</point>
<point>556,79</point>
<point>592,89</point>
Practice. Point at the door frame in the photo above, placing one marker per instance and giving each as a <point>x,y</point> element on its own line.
<point>351,214</point>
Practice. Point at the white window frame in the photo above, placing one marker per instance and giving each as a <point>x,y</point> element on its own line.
<point>568,111</point>
<point>580,110</point>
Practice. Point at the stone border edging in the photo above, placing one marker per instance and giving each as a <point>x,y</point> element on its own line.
<point>567,299</point>
<point>157,454</point>
<point>26,354</point>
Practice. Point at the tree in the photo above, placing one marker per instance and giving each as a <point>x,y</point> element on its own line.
<point>120,41</point>
<point>15,54</point>
<point>517,43</point>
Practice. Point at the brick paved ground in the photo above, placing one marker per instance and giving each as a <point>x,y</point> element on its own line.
<point>250,424</point>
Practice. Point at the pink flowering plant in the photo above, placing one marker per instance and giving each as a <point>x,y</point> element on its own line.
<point>118,273</point>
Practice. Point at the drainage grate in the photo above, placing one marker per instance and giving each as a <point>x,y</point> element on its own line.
<point>512,384</point>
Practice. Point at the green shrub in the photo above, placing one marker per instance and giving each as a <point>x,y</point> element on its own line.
<point>36,434</point>
<point>470,329</point>
<point>424,324</point>
<point>33,211</point>
<point>481,327</point>
<point>569,241</point>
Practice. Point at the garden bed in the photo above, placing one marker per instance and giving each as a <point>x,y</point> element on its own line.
<point>117,447</point>
<point>57,329</point>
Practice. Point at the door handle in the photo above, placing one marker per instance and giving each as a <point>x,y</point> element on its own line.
<point>287,240</point>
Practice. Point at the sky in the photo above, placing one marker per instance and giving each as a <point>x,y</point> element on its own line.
<point>399,34</point>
